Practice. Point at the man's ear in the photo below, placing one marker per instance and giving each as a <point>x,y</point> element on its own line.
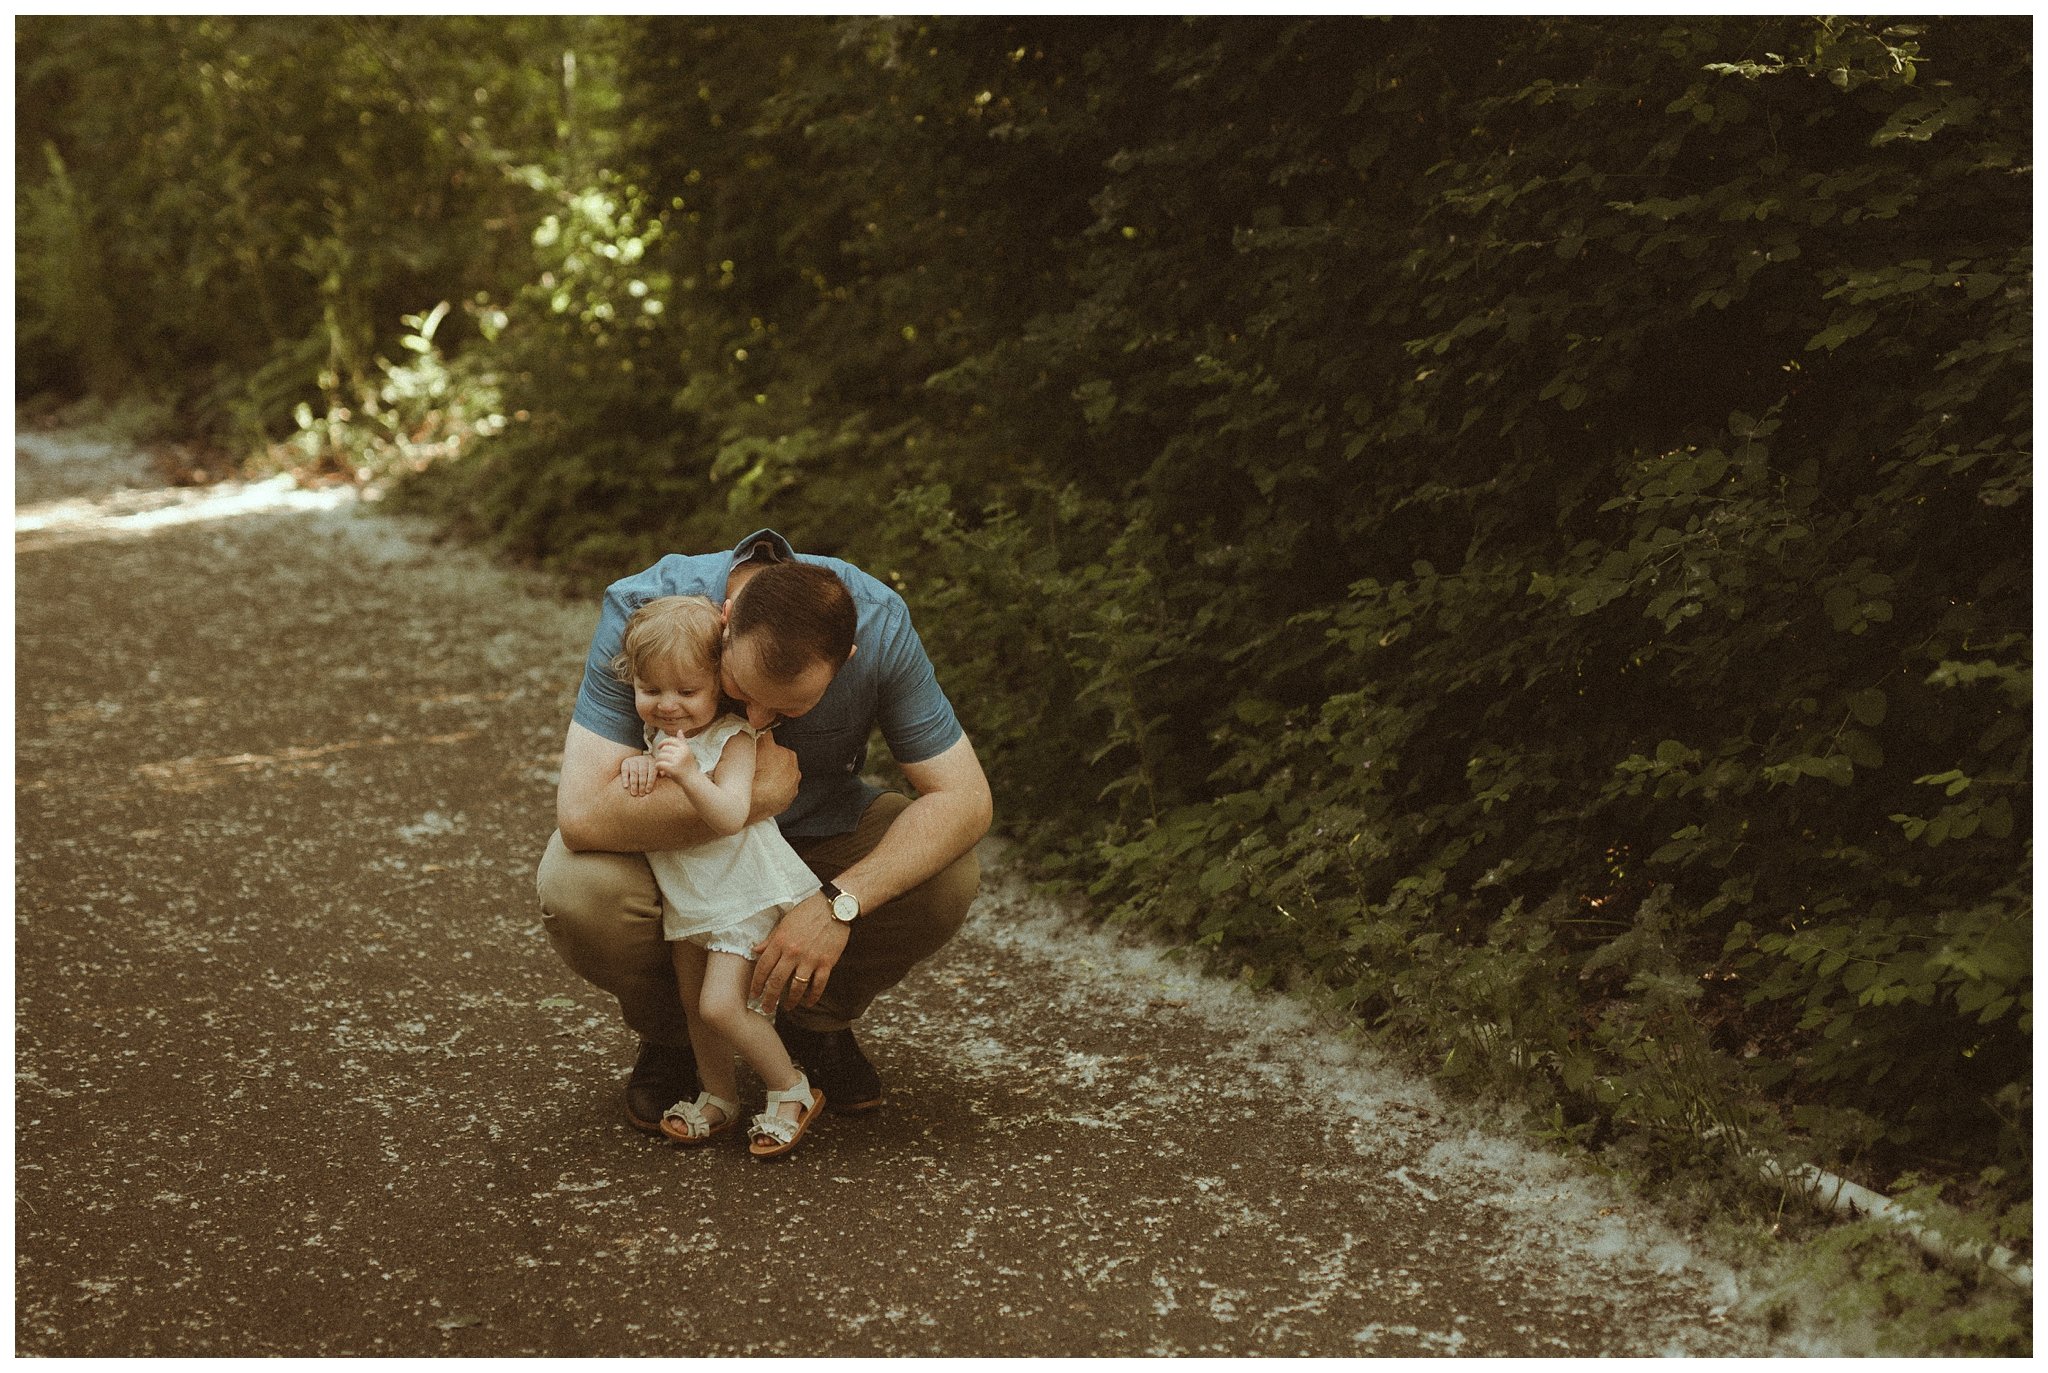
<point>725,612</point>
<point>850,652</point>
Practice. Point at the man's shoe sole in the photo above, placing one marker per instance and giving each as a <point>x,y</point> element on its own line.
<point>644,1127</point>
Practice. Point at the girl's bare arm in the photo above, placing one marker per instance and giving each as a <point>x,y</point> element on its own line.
<point>723,798</point>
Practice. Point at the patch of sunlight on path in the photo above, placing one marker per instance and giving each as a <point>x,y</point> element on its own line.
<point>137,512</point>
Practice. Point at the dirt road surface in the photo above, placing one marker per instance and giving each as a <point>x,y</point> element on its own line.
<point>297,1073</point>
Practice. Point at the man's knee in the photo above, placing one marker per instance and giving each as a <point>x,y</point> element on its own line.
<point>937,907</point>
<point>602,914</point>
<point>895,938</point>
<point>581,890</point>
<point>922,919</point>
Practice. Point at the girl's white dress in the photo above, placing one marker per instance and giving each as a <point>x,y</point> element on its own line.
<point>728,892</point>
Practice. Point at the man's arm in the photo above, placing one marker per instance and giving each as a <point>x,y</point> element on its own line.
<point>595,813</point>
<point>952,812</point>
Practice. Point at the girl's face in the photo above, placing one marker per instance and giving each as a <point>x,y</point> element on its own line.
<point>674,697</point>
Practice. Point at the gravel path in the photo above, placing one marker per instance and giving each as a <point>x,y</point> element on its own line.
<point>297,1073</point>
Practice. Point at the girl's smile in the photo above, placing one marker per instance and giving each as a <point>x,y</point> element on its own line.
<point>675,698</point>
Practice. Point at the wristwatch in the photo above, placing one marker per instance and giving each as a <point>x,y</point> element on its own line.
<point>845,905</point>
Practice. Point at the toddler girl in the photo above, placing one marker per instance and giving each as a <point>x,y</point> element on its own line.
<point>724,896</point>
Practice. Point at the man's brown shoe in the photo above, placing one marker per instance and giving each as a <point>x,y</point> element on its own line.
<point>662,1075</point>
<point>835,1064</point>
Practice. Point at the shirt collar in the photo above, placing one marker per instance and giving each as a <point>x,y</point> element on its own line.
<point>763,545</point>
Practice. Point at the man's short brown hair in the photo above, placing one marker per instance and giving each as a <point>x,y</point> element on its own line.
<point>801,614</point>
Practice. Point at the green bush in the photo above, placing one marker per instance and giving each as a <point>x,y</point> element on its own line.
<point>260,202</point>
<point>1603,500</point>
<point>1573,596</point>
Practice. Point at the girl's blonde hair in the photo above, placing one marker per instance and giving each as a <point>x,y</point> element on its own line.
<point>666,629</point>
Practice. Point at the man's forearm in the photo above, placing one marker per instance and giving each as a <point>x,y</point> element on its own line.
<point>615,821</point>
<point>596,814</point>
<point>933,831</point>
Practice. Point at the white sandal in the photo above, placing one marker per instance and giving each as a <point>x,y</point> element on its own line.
<point>773,1135</point>
<point>686,1121</point>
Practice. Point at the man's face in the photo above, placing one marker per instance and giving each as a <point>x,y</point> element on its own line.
<point>766,699</point>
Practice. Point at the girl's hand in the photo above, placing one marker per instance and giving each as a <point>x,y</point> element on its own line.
<point>637,774</point>
<point>674,758</point>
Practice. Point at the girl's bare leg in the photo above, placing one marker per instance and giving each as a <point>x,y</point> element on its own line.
<point>715,1068</point>
<point>722,1003</point>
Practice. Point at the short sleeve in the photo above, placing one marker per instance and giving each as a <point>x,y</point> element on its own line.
<point>916,718</point>
<point>604,704</point>
<point>710,745</point>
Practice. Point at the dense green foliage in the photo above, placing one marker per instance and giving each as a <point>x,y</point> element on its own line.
<point>1523,525</point>
<point>237,214</point>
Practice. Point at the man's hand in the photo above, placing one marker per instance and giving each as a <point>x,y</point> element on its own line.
<point>776,776</point>
<point>636,775</point>
<point>792,965</point>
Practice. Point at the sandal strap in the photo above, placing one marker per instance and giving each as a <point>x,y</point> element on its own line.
<point>691,1113</point>
<point>798,1095</point>
<point>769,1125</point>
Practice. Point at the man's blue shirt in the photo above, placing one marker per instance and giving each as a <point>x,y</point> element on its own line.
<point>888,681</point>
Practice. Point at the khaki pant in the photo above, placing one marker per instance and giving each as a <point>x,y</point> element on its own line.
<point>602,912</point>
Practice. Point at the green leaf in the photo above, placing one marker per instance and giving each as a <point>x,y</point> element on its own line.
<point>1835,768</point>
<point>1592,594</point>
<point>1998,818</point>
<point>1854,325</point>
<point>1868,706</point>
<point>1098,400</point>
<point>1860,749</point>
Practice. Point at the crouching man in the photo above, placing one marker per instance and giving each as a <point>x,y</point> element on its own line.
<point>899,873</point>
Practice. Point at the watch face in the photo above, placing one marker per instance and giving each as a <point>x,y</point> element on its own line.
<point>844,907</point>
